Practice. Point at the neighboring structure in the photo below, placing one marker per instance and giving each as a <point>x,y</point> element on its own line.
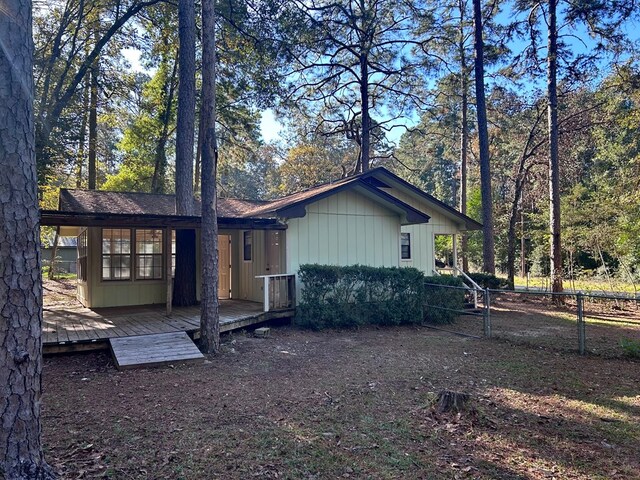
<point>66,253</point>
<point>125,246</point>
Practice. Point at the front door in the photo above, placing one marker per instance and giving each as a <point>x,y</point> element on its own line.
<point>273,239</point>
<point>224,266</point>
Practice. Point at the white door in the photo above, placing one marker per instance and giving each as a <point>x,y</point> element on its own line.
<point>224,266</point>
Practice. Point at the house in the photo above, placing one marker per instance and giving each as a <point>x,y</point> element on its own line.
<point>126,250</point>
<point>66,253</point>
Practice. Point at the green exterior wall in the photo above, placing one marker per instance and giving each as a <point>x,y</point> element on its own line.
<point>344,229</point>
<point>422,235</point>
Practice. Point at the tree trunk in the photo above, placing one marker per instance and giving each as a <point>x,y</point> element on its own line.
<point>198,174</point>
<point>464,134</point>
<point>365,146</point>
<point>488,254</point>
<point>449,401</point>
<point>511,238</point>
<point>93,126</point>
<point>21,455</point>
<point>184,289</point>
<point>83,135</point>
<point>160,164</point>
<point>209,315</point>
<point>554,166</point>
<point>54,253</point>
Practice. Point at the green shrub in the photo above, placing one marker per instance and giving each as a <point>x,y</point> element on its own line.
<point>442,298</point>
<point>630,347</point>
<point>356,295</point>
<point>488,280</point>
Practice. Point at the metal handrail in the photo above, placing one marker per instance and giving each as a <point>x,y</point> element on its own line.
<point>475,286</point>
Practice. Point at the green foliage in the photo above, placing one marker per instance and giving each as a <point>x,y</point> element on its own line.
<point>441,298</point>
<point>339,297</point>
<point>630,347</point>
<point>487,280</point>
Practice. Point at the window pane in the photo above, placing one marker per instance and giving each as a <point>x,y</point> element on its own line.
<point>247,245</point>
<point>405,246</point>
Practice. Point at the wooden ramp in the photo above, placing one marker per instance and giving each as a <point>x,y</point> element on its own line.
<point>154,350</point>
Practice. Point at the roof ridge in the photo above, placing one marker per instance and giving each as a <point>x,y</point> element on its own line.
<point>119,192</point>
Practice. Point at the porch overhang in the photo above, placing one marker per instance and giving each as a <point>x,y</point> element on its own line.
<point>57,218</point>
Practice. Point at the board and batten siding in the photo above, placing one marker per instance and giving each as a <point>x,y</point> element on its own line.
<point>344,229</point>
<point>423,235</point>
<point>116,293</point>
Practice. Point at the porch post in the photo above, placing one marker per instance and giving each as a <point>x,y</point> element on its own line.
<point>455,250</point>
<point>167,269</point>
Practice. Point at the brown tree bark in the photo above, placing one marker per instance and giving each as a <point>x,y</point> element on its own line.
<point>464,131</point>
<point>160,164</point>
<point>83,134</point>
<point>488,244</point>
<point>554,165</point>
<point>21,455</point>
<point>184,291</point>
<point>365,145</point>
<point>93,126</point>
<point>209,314</point>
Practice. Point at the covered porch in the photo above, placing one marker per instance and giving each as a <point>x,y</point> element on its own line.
<point>76,328</point>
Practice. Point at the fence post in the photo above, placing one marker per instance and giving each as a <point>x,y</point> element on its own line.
<point>487,313</point>
<point>581,323</point>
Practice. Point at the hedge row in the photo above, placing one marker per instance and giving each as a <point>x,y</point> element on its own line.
<point>338,297</point>
<point>443,295</point>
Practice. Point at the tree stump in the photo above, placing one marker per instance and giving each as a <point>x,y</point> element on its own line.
<point>449,401</point>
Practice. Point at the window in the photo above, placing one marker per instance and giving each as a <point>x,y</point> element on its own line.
<point>82,256</point>
<point>149,254</point>
<point>173,253</point>
<point>116,254</point>
<point>247,241</point>
<point>405,246</point>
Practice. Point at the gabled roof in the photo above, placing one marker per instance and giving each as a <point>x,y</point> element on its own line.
<point>99,201</point>
<point>98,205</point>
<point>382,173</point>
<point>294,205</point>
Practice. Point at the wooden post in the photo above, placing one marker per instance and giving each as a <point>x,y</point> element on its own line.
<point>487,313</point>
<point>266,293</point>
<point>455,249</point>
<point>581,323</point>
<point>167,270</point>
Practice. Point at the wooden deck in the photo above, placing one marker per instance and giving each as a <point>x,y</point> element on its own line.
<point>78,328</point>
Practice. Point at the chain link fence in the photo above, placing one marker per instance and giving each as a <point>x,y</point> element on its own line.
<point>606,325</point>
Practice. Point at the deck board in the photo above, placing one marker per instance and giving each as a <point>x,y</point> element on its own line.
<point>76,326</point>
<point>154,350</point>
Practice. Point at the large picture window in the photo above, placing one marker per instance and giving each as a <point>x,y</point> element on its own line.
<point>149,254</point>
<point>405,246</point>
<point>116,254</point>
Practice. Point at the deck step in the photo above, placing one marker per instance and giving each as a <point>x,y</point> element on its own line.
<point>154,350</point>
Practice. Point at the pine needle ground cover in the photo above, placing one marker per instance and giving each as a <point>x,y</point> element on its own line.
<point>347,404</point>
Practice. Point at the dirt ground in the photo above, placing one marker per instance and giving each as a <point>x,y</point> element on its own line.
<point>346,404</point>
<point>59,292</point>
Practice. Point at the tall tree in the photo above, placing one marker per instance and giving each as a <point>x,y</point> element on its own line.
<point>209,314</point>
<point>554,165</point>
<point>356,59</point>
<point>69,42</point>
<point>562,19</point>
<point>21,455</point>
<point>488,245</point>
<point>184,292</point>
